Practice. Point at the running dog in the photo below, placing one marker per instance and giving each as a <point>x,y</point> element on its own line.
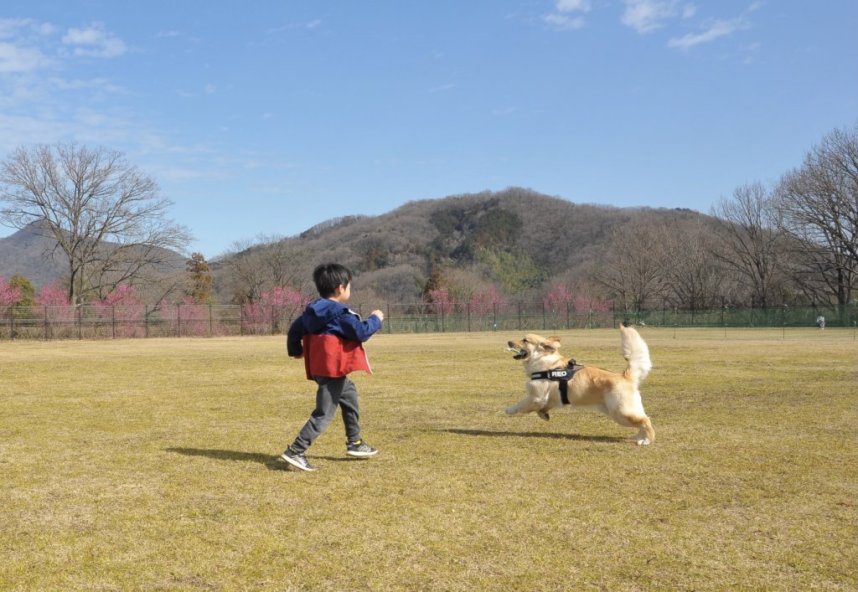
<point>554,381</point>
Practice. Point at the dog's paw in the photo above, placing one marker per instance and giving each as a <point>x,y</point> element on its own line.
<point>543,414</point>
<point>643,441</point>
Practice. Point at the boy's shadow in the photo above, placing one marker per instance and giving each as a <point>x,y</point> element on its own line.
<point>270,461</point>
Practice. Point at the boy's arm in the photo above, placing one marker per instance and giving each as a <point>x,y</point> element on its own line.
<point>355,329</point>
<point>294,346</point>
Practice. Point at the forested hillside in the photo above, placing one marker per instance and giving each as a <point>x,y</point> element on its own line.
<point>517,240</point>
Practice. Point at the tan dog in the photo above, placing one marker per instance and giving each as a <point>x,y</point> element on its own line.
<point>616,395</point>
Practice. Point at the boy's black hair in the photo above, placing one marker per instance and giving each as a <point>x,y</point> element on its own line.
<point>330,275</point>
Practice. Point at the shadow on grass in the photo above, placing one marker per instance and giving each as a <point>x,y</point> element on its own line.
<point>550,435</point>
<point>270,461</point>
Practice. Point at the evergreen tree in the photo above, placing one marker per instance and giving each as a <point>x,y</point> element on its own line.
<point>200,279</point>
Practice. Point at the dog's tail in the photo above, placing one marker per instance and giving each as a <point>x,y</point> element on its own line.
<point>636,353</point>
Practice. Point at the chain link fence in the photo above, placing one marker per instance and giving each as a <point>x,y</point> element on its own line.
<point>190,320</point>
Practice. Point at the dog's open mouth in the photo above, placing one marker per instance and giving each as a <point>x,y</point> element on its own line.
<point>520,354</point>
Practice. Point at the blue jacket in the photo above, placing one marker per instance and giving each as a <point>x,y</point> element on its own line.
<point>327,317</point>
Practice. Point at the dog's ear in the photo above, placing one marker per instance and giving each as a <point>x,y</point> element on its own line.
<point>551,344</point>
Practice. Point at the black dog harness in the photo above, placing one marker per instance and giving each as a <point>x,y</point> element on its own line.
<point>561,375</point>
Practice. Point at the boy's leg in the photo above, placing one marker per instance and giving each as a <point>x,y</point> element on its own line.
<point>351,414</point>
<point>355,446</point>
<point>327,399</point>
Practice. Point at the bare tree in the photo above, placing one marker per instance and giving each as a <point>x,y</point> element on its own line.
<point>632,268</point>
<point>107,217</point>
<point>691,273</point>
<point>819,205</point>
<point>752,240</point>
<point>254,266</point>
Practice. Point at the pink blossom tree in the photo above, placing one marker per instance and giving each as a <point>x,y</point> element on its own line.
<point>441,301</point>
<point>588,304</point>
<point>558,298</point>
<point>52,301</point>
<point>9,295</point>
<point>277,305</point>
<point>486,300</point>
<point>123,309</point>
<point>52,295</point>
<point>193,318</point>
<point>483,303</point>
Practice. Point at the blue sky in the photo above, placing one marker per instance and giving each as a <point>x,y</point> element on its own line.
<point>267,117</point>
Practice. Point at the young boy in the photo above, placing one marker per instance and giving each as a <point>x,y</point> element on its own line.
<point>329,337</point>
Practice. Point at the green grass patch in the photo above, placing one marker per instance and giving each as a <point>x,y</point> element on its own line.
<point>152,465</point>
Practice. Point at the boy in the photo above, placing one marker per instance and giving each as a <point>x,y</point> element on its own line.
<point>329,337</point>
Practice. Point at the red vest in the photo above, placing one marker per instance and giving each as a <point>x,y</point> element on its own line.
<point>332,356</point>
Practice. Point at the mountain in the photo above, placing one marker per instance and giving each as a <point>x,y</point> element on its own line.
<point>29,252</point>
<point>517,238</point>
<point>33,253</point>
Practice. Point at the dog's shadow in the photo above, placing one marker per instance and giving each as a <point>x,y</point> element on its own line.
<point>549,435</point>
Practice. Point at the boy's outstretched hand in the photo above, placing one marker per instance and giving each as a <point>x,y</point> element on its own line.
<point>377,313</point>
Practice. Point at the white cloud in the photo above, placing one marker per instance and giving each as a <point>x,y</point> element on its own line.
<point>94,41</point>
<point>96,84</point>
<point>563,22</point>
<point>572,5</point>
<point>20,59</point>
<point>719,28</point>
<point>648,15</point>
<point>20,49</point>
<point>562,18</point>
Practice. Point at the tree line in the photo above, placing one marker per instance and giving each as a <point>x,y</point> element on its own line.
<point>794,242</point>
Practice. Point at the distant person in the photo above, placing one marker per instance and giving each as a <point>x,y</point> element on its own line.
<point>820,322</point>
<point>329,336</point>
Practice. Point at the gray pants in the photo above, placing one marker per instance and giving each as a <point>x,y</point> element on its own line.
<point>332,393</point>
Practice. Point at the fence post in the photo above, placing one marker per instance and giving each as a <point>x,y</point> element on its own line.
<point>468,313</point>
<point>145,320</point>
<point>113,321</point>
<point>178,320</point>
<point>210,319</point>
<point>46,322</point>
<point>79,320</point>
<point>518,304</point>
<point>544,322</point>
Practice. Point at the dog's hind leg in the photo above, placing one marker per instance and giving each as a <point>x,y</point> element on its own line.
<point>646,433</point>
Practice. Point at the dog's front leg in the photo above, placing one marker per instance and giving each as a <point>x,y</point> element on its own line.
<point>537,397</point>
<point>524,406</point>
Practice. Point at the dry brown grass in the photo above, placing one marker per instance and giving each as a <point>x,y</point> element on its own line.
<point>152,465</point>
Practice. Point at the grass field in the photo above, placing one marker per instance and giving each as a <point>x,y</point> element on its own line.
<point>152,465</point>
